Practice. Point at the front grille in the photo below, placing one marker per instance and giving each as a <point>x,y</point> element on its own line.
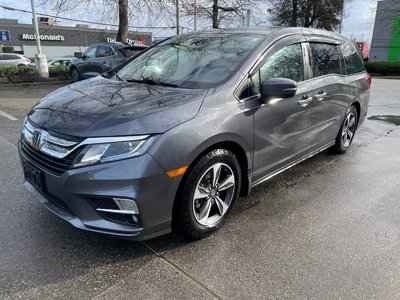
<point>56,166</point>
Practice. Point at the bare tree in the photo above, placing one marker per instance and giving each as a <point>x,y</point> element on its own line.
<point>127,12</point>
<point>122,34</point>
<point>222,11</point>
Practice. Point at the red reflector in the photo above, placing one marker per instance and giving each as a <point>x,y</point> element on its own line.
<point>368,80</point>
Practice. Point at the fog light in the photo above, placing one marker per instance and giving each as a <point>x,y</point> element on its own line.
<point>127,205</point>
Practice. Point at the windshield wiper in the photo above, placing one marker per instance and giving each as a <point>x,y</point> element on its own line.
<point>111,73</point>
<point>152,82</point>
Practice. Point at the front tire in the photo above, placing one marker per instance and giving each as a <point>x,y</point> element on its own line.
<point>346,132</point>
<point>207,194</point>
<point>75,75</point>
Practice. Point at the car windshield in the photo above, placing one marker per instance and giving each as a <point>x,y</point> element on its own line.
<point>191,62</point>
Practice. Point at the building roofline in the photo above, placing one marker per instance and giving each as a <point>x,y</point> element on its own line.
<point>71,28</point>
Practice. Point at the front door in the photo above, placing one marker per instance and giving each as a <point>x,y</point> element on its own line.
<point>103,60</point>
<point>281,125</point>
<point>85,66</point>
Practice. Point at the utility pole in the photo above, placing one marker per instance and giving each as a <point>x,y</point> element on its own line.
<point>195,15</point>
<point>248,17</point>
<point>40,58</point>
<point>177,16</point>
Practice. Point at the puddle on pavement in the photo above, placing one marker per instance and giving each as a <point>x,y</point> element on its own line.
<point>386,118</point>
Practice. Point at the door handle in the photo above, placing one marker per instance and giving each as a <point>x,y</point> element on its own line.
<point>320,96</point>
<point>305,100</point>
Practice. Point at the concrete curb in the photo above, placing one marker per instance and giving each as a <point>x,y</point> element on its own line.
<point>11,86</point>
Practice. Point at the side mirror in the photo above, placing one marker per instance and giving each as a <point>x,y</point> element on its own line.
<point>78,55</point>
<point>278,88</point>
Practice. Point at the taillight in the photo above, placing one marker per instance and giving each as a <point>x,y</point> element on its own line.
<point>368,80</point>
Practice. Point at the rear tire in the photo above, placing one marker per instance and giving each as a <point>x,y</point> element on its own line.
<point>207,194</point>
<point>346,132</point>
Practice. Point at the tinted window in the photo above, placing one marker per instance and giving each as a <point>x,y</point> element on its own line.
<point>325,59</point>
<point>91,52</point>
<point>103,51</point>
<point>353,61</point>
<point>200,61</point>
<point>286,63</point>
<point>10,57</point>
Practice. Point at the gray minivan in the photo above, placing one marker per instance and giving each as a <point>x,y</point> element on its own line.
<point>170,139</point>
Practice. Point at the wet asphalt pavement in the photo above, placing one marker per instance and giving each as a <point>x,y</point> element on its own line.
<point>327,228</point>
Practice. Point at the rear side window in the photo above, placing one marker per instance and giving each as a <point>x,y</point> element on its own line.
<point>10,57</point>
<point>129,52</point>
<point>325,58</point>
<point>352,59</point>
<point>103,51</point>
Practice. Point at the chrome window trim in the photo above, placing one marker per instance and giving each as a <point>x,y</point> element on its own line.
<point>61,148</point>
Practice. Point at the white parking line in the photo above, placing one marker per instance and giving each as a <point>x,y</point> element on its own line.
<point>4,114</point>
<point>8,142</point>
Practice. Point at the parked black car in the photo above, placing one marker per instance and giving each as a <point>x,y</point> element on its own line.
<point>100,58</point>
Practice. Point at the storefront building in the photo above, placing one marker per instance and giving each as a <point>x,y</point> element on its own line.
<point>59,41</point>
<point>385,45</point>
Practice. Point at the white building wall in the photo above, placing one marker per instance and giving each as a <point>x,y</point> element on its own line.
<point>53,51</point>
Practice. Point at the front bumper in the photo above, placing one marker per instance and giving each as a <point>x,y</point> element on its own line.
<point>71,195</point>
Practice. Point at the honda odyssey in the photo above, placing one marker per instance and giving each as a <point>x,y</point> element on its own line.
<point>170,139</point>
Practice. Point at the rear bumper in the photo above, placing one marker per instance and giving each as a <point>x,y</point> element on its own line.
<point>70,196</point>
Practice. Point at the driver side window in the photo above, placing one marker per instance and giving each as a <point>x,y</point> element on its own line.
<point>285,63</point>
<point>91,52</point>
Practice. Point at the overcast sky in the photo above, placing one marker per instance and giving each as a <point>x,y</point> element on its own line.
<point>357,23</point>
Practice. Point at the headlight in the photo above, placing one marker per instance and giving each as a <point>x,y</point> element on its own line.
<point>100,153</point>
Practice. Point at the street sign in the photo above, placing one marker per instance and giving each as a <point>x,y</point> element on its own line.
<point>4,36</point>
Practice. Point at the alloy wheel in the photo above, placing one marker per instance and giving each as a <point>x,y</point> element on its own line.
<point>348,130</point>
<point>213,194</point>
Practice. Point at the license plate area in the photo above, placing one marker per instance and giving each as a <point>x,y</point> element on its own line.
<point>33,175</point>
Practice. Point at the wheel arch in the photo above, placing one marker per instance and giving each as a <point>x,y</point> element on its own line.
<point>241,152</point>
<point>243,159</point>
<point>72,67</point>
<point>357,105</point>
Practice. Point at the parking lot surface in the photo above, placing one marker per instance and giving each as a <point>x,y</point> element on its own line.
<point>327,228</point>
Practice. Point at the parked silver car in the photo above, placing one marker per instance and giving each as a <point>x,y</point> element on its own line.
<point>57,61</point>
<point>12,60</point>
<point>170,139</point>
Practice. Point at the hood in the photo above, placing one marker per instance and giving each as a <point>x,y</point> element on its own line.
<point>104,107</point>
